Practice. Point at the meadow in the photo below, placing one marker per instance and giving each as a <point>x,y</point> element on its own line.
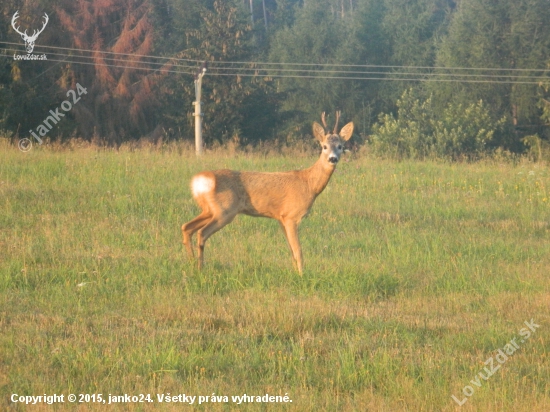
<point>416,274</point>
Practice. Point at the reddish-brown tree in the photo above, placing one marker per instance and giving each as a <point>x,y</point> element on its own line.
<point>115,36</point>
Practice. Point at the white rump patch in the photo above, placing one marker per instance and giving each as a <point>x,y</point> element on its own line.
<point>201,185</point>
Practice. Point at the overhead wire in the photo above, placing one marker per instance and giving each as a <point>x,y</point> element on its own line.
<point>284,63</point>
<point>104,52</point>
<point>327,74</point>
<point>300,70</point>
<point>383,78</point>
<point>119,66</point>
<point>106,58</point>
<point>269,71</point>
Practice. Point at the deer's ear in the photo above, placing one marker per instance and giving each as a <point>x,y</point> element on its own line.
<point>318,132</point>
<point>347,131</point>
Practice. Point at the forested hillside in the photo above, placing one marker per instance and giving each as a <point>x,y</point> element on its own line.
<point>448,78</point>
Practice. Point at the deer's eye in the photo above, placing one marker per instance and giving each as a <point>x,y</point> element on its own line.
<point>324,147</point>
<point>339,147</point>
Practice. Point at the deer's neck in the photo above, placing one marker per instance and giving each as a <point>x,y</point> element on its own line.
<point>318,176</point>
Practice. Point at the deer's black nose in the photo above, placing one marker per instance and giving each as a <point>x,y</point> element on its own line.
<point>333,159</point>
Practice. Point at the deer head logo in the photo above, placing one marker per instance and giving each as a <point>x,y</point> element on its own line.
<point>29,40</point>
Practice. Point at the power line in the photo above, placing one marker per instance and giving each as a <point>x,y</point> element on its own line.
<point>116,66</point>
<point>385,78</point>
<point>106,58</point>
<point>298,73</point>
<point>380,78</point>
<point>383,66</point>
<point>320,77</point>
<point>270,71</point>
<point>104,52</point>
<point>259,64</point>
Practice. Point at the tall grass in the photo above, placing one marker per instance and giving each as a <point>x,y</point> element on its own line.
<point>415,274</point>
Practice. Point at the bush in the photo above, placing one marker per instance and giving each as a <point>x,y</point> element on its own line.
<point>418,131</point>
<point>537,148</point>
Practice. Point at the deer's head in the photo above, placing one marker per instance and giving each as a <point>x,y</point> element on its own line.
<point>29,40</point>
<point>332,143</point>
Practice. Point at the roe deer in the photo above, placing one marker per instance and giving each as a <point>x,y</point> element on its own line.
<point>284,196</point>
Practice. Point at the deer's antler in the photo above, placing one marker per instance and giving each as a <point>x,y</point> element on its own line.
<point>336,124</point>
<point>15,17</point>
<point>24,34</point>
<point>324,121</point>
<point>36,33</point>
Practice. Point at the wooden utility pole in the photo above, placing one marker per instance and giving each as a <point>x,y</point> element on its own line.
<point>198,109</point>
<point>265,15</point>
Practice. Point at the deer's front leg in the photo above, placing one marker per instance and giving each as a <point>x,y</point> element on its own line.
<point>288,244</point>
<point>291,231</point>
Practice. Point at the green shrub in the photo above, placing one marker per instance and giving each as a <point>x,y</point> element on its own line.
<point>419,132</point>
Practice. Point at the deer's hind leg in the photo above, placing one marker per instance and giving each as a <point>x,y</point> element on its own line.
<point>189,229</point>
<point>216,223</point>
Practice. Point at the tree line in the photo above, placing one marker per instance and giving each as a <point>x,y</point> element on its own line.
<point>418,77</point>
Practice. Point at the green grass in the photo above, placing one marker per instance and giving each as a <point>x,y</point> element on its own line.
<point>415,274</point>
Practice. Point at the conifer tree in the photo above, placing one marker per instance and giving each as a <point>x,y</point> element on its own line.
<point>508,34</point>
<point>235,106</point>
<point>120,102</point>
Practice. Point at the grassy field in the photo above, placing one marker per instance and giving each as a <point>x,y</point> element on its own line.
<point>416,274</point>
